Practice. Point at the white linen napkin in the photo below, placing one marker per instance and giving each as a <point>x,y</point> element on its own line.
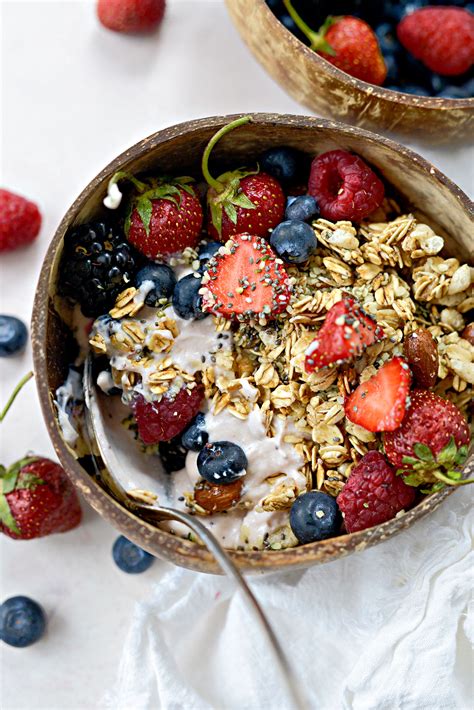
<point>384,629</point>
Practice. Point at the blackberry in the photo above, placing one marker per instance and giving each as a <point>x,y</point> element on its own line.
<point>97,264</point>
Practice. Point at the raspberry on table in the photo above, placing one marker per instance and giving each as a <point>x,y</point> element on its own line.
<point>20,221</point>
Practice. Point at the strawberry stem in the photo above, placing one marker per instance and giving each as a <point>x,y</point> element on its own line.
<point>124,175</point>
<point>218,186</point>
<point>317,41</point>
<point>14,394</point>
<point>450,481</point>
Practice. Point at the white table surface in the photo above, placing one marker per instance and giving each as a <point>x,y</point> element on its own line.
<point>73,96</point>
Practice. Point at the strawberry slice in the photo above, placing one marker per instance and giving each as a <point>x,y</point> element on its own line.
<point>379,404</point>
<point>163,420</point>
<point>346,332</point>
<point>245,279</point>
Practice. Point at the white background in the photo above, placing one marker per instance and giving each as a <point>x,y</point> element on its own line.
<point>73,96</point>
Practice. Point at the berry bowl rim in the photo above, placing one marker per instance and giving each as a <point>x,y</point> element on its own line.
<point>45,323</point>
<point>429,118</point>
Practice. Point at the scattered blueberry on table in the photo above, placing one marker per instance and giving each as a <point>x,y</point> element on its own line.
<point>129,557</point>
<point>13,336</point>
<point>22,621</point>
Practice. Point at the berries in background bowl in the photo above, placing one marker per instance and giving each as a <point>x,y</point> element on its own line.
<point>20,221</point>
<point>282,163</point>
<point>315,516</point>
<point>13,336</point>
<point>22,622</point>
<point>129,557</point>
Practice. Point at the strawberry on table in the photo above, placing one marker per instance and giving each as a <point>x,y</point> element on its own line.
<point>164,215</point>
<point>348,43</point>
<point>241,200</point>
<point>440,37</point>
<point>431,442</point>
<point>163,420</point>
<point>130,16</point>
<point>373,494</point>
<point>20,221</point>
<point>344,186</point>
<point>245,280</point>
<point>37,499</point>
<point>346,332</point>
<point>379,403</point>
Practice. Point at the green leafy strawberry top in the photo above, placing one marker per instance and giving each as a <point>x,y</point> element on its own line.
<point>149,189</point>
<point>13,479</point>
<point>440,471</point>
<point>226,195</point>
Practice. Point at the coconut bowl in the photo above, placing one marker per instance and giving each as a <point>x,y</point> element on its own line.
<point>177,150</point>
<point>328,91</point>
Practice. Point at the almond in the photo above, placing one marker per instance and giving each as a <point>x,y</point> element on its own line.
<point>215,498</point>
<point>468,333</point>
<point>421,352</point>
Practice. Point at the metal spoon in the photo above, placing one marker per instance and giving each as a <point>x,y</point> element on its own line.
<point>156,513</point>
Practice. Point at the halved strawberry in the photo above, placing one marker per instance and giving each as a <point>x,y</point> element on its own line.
<point>163,420</point>
<point>346,332</point>
<point>245,279</point>
<point>379,404</point>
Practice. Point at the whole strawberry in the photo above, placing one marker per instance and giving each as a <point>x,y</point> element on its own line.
<point>131,16</point>
<point>431,442</point>
<point>37,499</point>
<point>164,215</point>
<point>240,200</point>
<point>348,43</point>
<point>373,494</point>
<point>344,186</point>
<point>440,37</point>
<point>20,221</point>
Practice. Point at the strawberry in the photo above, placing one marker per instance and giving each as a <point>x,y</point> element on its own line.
<point>244,279</point>
<point>164,216</point>
<point>348,43</point>
<point>440,37</point>
<point>373,494</point>
<point>430,443</point>
<point>379,403</point>
<point>37,499</point>
<point>344,186</point>
<point>130,16</point>
<point>163,420</point>
<point>346,332</point>
<point>20,221</point>
<point>241,200</point>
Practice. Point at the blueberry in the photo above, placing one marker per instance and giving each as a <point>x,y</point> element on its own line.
<point>283,163</point>
<point>387,37</point>
<point>453,92</point>
<point>207,251</point>
<point>302,208</point>
<point>22,622</point>
<point>391,62</point>
<point>13,335</point>
<point>294,241</point>
<point>129,557</point>
<point>172,454</point>
<point>186,299</point>
<point>163,279</point>
<point>415,90</point>
<point>288,22</point>
<point>195,436</point>
<point>315,516</point>
<point>222,462</point>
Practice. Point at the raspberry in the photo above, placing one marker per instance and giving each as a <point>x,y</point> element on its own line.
<point>20,221</point>
<point>373,494</point>
<point>344,186</point>
<point>163,420</point>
